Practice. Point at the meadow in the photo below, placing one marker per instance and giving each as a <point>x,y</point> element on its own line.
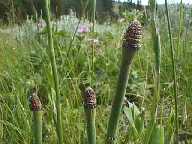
<point>157,104</point>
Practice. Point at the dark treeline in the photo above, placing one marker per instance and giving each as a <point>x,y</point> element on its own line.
<point>18,10</point>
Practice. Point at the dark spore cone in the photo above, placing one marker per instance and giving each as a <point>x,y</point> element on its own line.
<point>133,35</point>
<point>89,98</point>
<point>34,102</point>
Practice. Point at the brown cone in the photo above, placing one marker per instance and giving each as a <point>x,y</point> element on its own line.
<point>35,103</point>
<point>133,35</point>
<point>89,98</point>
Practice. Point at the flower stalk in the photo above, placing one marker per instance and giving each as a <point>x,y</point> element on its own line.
<point>131,44</point>
<point>90,112</point>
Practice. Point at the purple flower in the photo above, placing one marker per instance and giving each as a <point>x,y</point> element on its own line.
<point>83,29</point>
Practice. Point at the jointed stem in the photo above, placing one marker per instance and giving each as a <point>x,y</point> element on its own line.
<point>119,97</point>
<point>37,127</point>
<point>91,129</point>
<point>90,112</point>
<point>55,75</point>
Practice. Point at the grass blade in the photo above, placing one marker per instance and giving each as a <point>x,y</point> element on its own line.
<point>174,72</point>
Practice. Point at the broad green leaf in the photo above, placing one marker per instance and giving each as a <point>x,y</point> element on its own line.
<point>157,136</point>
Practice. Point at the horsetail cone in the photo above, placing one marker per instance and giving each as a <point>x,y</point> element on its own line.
<point>89,98</point>
<point>36,108</point>
<point>133,35</point>
<point>90,112</point>
<point>34,102</point>
<point>131,43</point>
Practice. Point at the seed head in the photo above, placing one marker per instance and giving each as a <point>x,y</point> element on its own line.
<point>34,102</point>
<point>89,98</point>
<point>133,35</point>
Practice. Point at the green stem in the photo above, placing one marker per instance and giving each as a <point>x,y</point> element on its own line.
<point>120,93</point>
<point>93,30</point>
<point>13,12</point>
<point>93,15</point>
<point>58,8</point>
<point>174,72</point>
<point>55,74</point>
<point>180,28</point>
<point>157,51</point>
<point>37,127</point>
<point>90,112</point>
<point>91,130</point>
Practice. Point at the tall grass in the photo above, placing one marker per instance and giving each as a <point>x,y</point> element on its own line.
<point>156,44</point>
<point>157,51</point>
<point>174,73</point>
<point>181,28</point>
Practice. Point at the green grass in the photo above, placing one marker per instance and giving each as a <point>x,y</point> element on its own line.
<point>176,121</point>
<point>24,63</point>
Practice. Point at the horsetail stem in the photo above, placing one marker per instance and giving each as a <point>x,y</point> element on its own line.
<point>131,43</point>
<point>174,73</point>
<point>55,74</point>
<point>90,112</point>
<point>35,106</point>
